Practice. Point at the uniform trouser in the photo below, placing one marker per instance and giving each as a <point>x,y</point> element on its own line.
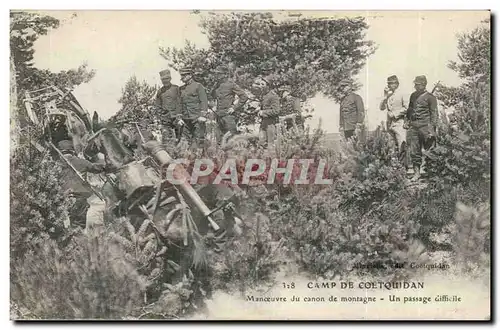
<point>170,130</point>
<point>227,123</point>
<point>267,131</point>
<point>398,133</point>
<point>298,122</point>
<point>196,131</point>
<point>419,136</point>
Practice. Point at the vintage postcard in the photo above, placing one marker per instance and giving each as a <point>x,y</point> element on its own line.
<point>243,165</point>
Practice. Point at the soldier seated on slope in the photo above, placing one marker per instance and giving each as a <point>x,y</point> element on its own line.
<point>73,185</point>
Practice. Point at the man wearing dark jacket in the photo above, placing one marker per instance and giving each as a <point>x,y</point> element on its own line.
<point>422,116</point>
<point>168,101</point>
<point>352,111</point>
<point>270,111</point>
<point>73,185</point>
<point>194,103</point>
<point>225,93</point>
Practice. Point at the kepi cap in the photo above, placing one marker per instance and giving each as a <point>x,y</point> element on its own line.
<point>165,74</point>
<point>420,80</point>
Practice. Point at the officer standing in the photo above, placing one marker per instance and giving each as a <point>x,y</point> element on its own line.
<point>396,105</point>
<point>194,103</point>
<point>352,110</point>
<point>168,101</point>
<point>270,111</point>
<point>422,117</point>
<point>72,184</point>
<point>225,93</point>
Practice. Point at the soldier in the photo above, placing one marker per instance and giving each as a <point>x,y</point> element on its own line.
<point>168,101</point>
<point>73,186</point>
<point>225,93</point>
<point>352,111</point>
<point>396,104</point>
<point>194,106</point>
<point>270,111</point>
<point>57,129</point>
<point>291,105</point>
<point>422,117</point>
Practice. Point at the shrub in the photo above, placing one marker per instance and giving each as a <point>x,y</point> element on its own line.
<point>38,207</point>
<point>471,236</point>
<point>248,260</point>
<point>371,174</point>
<point>90,279</point>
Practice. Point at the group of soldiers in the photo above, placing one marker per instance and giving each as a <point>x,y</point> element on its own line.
<point>412,123</point>
<point>187,108</point>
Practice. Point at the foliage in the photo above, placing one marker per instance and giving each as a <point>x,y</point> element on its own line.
<point>136,96</point>
<point>145,251</point>
<point>474,53</point>
<point>25,29</point>
<point>38,207</point>
<point>90,279</point>
<point>174,302</point>
<point>309,55</point>
<point>249,260</point>
<point>371,174</point>
<point>362,218</point>
<point>471,236</point>
<point>463,151</point>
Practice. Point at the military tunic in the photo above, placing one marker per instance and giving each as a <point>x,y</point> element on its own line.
<point>168,100</point>
<point>194,103</point>
<point>422,115</point>
<point>225,94</point>
<point>270,116</point>
<point>352,112</point>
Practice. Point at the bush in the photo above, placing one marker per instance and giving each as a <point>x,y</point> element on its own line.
<point>471,234</point>
<point>371,175</point>
<point>248,260</point>
<point>38,207</point>
<point>90,279</point>
<point>363,218</point>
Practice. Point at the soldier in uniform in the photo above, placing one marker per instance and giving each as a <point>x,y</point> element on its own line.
<point>270,111</point>
<point>352,111</point>
<point>225,93</point>
<point>396,105</point>
<point>168,101</point>
<point>72,184</point>
<point>422,116</point>
<point>194,103</point>
<point>291,105</point>
<point>57,129</point>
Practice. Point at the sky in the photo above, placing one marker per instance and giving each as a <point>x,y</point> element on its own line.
<point>120,44</point>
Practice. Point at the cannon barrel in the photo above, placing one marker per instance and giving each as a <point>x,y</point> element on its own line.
<point>158,152</point>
